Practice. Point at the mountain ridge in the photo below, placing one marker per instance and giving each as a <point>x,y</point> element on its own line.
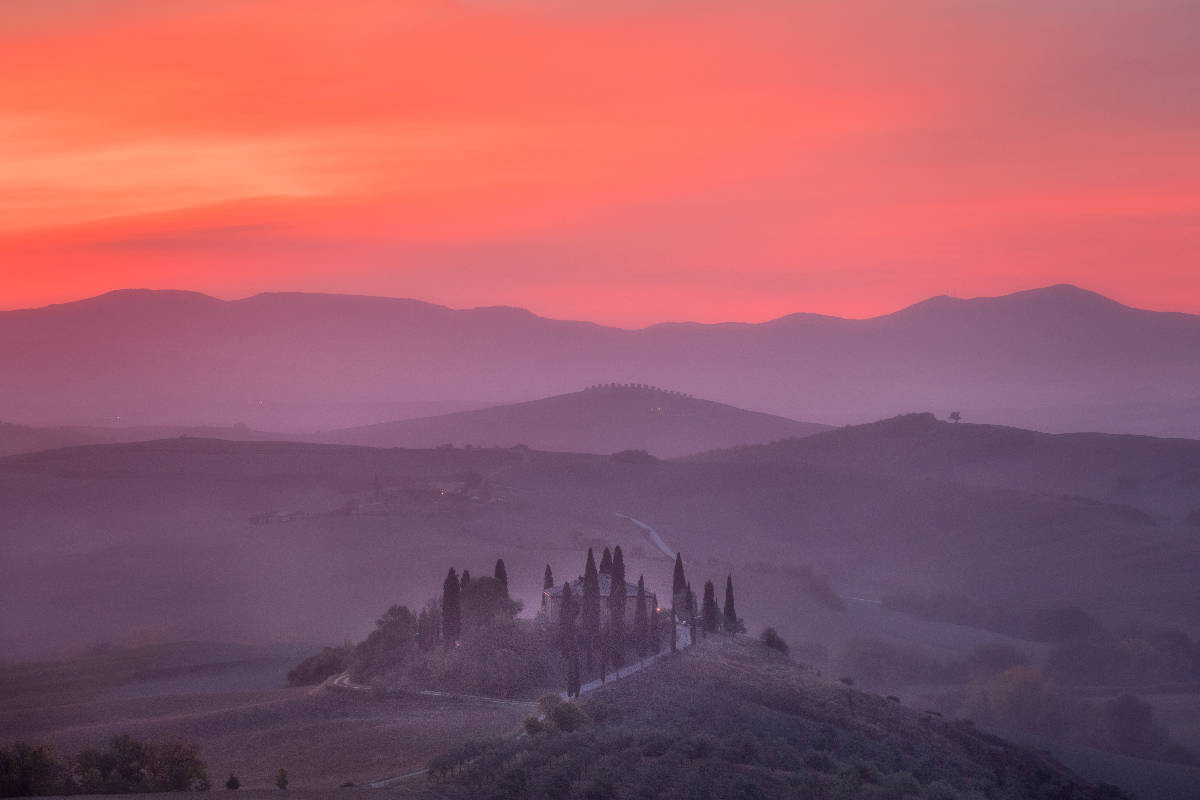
<point>304,361</point>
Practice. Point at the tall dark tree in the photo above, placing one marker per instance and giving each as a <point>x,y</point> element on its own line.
<point>709,609</point>
<point>451,609</point>
<point>548,580</point>
<point>690,605</point>
<point>680,582</point>
<point>616,608</point>
<point>573,674</point>
<point>566,622</point>
<point>501,574</point>
<point>606,562</point>
<point>641,621</point>
<point>731,623</point>
<point>423,630</point>
<point>466,578</point>
<point>590,609</point>
<point>674,632</point>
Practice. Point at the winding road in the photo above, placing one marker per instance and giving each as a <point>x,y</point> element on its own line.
<point>654,537</point>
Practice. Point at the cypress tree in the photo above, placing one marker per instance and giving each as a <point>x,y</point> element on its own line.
<point>616,608</point>
<point>641,624</point>
<point>674,632</point>
<point>501,574</point>
<point>548,580</point>
<point>606,562</point>
<point>731,619</point>
<point>590,608</point>
<point>573,675</point>
<point>709,609</point>
<point>680,582</point>
<point>451,610</point>
<point>466,578</point>
<point>690,605</point>
<point>566,622</point>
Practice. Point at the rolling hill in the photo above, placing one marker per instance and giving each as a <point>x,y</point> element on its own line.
<point>310,362</point>
<point>729,718</point>
<point>603,419</point>
<point>1160,476</point>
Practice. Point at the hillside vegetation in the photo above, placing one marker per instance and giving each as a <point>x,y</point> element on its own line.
<point>734,719</point>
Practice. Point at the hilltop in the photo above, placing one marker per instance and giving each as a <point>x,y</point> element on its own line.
<point>316,362</point>
<point>730,718</point>
<point>1160,476</point>
<point>601,419</point>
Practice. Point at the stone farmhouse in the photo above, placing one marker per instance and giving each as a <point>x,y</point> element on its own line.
<point>552,599</point>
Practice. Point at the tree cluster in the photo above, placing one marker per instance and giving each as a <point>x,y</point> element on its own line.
<point>125,766</point>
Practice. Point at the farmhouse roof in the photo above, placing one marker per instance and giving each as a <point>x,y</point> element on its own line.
<point>605,587</point>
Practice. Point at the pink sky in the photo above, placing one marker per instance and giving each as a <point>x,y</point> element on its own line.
<point>628,163</point>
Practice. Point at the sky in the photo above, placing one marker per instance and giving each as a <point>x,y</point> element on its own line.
<point>619,161</point>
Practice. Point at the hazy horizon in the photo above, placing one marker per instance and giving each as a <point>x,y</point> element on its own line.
<point>1024,290</point>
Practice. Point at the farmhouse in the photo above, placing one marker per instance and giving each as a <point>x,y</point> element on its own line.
<point>552,598</point>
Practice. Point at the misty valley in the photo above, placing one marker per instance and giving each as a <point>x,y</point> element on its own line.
<point>925,607</point>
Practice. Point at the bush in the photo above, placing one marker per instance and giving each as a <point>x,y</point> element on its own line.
<point>568,717</point>
<point>634,457</point>
<point>317,668</point>
<point>773,640</point>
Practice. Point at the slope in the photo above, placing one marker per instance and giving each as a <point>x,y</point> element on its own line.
<point>1161,476</point>
<point>602,419</point>
<point>730,718</point>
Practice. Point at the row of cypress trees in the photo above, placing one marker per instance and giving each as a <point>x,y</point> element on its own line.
<point>712,617</point>
<point>451,618</point>
<point>580,621</point>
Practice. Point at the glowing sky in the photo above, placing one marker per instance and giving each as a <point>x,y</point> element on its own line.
<point>613,160</point>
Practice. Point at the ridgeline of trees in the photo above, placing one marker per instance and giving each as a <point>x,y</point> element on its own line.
<point>126,766</point>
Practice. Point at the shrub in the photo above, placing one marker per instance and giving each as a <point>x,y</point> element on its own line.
<point>316,668</point>
<point>773,640</point>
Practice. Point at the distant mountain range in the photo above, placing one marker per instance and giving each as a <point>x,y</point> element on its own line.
<point>1059,358</point>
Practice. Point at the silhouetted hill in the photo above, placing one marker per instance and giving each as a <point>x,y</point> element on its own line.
<point>1161,476</point>
<point>602,419</point>
<point>16,439</point>
<point>312,361</point>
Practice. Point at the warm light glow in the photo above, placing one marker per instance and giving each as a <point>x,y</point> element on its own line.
<point>624,162</point>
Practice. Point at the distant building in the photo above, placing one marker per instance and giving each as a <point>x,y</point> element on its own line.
<point>552,599</point>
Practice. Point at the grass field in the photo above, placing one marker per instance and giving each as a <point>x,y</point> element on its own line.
<point>323,738</point>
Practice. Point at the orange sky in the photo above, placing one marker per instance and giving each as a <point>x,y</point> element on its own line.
<point>625,161</point>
